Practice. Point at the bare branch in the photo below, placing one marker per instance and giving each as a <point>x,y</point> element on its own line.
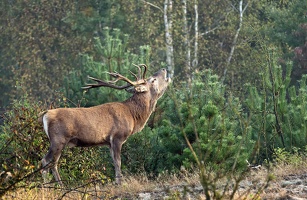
<point>153,5</point>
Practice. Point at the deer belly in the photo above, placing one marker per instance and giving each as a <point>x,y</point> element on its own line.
<point>82,143</point>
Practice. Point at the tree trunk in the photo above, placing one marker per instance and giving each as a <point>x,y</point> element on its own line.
<point>168,6</point>
<point>195,60</point>
<point>187,67</point>
<point>235,39</point>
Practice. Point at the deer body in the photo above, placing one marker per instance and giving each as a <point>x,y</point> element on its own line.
<point>107,124</point>
<point>79,128</point>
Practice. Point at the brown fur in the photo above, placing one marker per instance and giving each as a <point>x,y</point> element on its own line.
<point>107,124</point>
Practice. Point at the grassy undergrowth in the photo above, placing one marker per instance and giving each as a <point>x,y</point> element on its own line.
<point>258,184</point>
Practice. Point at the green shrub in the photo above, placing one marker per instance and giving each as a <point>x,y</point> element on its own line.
<point>278,110</point>
<point>214,130</point>
<point>295,158</point>
<point>110,55</point>
<point>200,126</point>
<point>22,143</point>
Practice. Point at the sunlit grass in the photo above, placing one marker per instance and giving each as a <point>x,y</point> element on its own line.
<point>253,186</point>
<point>130,188</point>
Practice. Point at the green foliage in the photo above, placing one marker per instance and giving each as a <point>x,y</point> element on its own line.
<point>278,109</point>
<point>287,29</point>
<point>110,55</point>
<point>214,131</point>
<point>81,165</point>
<point>140,152</point>
<point>21,143</point>
<point>199,127</point>
<point>49,45</point>
<point>296,157</point>
<point>37,47</point>
<point>41,41</point>
<point>286,23</point>
<point>89,16</point>
<point>213,124</point>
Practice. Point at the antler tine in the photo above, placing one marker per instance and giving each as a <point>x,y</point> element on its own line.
<point>139,72</point>
<point>145,70</point>
<point>101,83</point>
<point>133,74</point>
<point>120,77</point>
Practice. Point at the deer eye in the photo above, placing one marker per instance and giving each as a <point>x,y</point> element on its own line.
<point>153,80</point>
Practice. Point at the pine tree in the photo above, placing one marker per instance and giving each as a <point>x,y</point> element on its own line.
<point>111,54</point>
<point>278,109</point>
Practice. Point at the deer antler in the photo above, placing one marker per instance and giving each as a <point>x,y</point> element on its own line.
<point>140,71</point>
<point>140,79</point>
<point>101,83</point>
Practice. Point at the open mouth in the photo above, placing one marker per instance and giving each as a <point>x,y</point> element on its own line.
<point>167,76</point>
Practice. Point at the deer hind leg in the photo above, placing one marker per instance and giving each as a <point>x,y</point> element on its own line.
<point>115,150</point>
<point>50,161</point>
<point>47,162</point>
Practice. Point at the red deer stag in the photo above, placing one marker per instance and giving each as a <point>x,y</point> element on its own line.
<point>107,124</point>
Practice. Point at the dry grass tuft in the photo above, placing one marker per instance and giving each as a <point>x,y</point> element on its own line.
<point>174,186</point>
<point>131,187</point>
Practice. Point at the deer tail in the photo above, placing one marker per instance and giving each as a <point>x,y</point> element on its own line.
<point>41,115</point>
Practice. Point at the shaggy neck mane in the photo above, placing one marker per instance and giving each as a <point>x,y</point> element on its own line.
<point>141,106</point>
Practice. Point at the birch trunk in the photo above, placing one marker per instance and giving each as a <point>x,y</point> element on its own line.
<point>168,7</point>
<point>187,68</point>
<point>235,39</point>
<point>195,60</point>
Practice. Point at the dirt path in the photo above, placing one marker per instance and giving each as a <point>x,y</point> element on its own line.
<point>285,187</point>
<point>290,187</point>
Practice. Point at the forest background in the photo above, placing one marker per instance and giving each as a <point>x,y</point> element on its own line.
<point>238,91</point>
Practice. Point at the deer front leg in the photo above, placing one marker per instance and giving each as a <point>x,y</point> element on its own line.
<point>115,153</point>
